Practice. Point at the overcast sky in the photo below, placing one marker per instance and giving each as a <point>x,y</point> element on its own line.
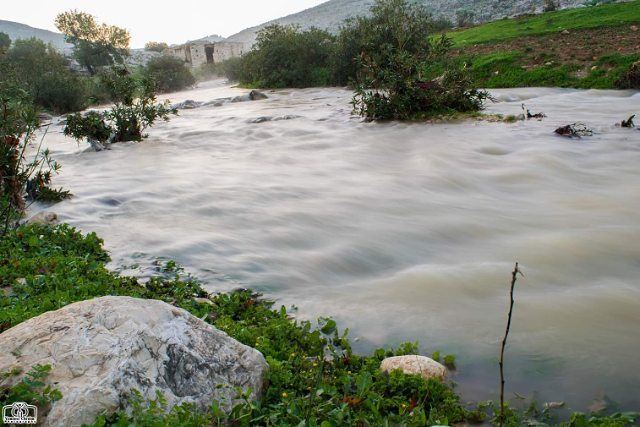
<point>155,20</point>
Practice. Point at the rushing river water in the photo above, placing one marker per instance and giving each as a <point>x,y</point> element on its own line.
<point>401,231</point>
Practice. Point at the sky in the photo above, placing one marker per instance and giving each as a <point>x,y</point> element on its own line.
<point>155,20</point>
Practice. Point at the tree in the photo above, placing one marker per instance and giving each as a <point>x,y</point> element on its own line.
<point>43,72</point>
<point>156,46</point>
<point>169,73</point>
<point>94,45</point>
<point>397,48</point>
<point>5,42</point>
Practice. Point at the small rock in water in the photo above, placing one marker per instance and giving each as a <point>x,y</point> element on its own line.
<point>254,95</point>
<point>414,364</point>
<point>261,119</point>
<point>44,218</point>
<point>189,104</point>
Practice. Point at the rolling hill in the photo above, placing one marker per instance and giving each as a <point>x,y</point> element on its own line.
<point>333,13</point>
<point>17,31</point>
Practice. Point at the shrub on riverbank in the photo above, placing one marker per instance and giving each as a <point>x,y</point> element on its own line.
<point>169,73</point>
<point>45,75</point>
<point>284,56</point>
<point>135,110</point>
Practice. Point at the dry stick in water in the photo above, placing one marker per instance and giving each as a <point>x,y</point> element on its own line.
<point>514,276</point>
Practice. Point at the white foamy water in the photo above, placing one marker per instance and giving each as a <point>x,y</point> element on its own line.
<point>402,231</point>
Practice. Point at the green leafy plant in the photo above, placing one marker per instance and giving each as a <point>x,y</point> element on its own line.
<point>21,177</point>
<point>391,81</point>
<point>31,388</point>
<point>169,73</point>
<point>134,111</point>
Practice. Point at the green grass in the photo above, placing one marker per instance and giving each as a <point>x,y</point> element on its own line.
<point>608,15</point>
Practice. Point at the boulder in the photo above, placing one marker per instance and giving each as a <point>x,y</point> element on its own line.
<point>189,104</point>
<point>415,365</point>
<point>254,95</point>
<point>44,218</point>
<point>103,348</point>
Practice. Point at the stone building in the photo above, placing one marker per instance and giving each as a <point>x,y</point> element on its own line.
<point>198,53</point>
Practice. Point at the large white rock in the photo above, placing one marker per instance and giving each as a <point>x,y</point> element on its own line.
<point>417,365</point>
<point>103,348</point>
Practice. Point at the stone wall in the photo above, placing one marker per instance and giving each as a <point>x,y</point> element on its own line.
<point>199,53</point>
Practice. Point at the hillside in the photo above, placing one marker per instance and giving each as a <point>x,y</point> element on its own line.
<point>333,13</point>
<point>591,47</point>
<point>17,31</point>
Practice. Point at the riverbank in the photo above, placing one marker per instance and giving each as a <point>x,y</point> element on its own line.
<point>588,48</point>
<point>314,376</point>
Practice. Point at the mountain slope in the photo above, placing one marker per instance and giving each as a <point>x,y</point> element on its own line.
<point>17,31</point>
<point>331,15</point>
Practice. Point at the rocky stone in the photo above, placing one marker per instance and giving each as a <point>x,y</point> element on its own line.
<point>189,104</point>
<point>257,96</point>
<point>565,32</point>
<point>44,218</point>
<point>103,348</point>
<point>415,365</point>
<point>254,95</point>
<point>634,28</point>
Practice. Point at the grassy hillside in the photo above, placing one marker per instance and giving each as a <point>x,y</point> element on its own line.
<point>589,47</point>
<point>610,15</point>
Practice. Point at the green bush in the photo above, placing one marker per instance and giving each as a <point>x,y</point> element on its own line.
<point>135,109</point>
<point>45,74</point>
<point>21,177</point>
<point>284,56</point>
<point>397,49</point>
<point>169,73</point>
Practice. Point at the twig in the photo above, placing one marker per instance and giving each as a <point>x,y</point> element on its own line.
<point>514,276</point>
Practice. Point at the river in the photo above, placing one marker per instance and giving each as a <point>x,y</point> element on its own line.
<point>400,231</point>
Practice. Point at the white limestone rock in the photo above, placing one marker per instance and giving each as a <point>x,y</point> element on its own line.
<point>103,348</point>
<point>416,365</point>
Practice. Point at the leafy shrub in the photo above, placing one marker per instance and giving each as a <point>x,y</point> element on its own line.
<point>19,176</point>
<point>45,73</point>
<point>169,73</point>
<point>284,56</point>
<point>391,79</point>
<point>156,47</point>
<point>550,6</point>
<point>31,388</point>
<point>631,78</point>
<point>135,109</point>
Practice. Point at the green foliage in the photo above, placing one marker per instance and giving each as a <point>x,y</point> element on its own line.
<point>508,69</point>
<point>135,108</point>
<point>392,83</point>
<point>630,77</point>
<point>169,73</point>
<point>287,57</point>
<point>5,42</point>
<point>94,45</point>
<point>31,388</point>
<point>315,379</point>
<point>156,46</point>
<point>21,176</point>
<point>608,15</point>
<point>45,74</point>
